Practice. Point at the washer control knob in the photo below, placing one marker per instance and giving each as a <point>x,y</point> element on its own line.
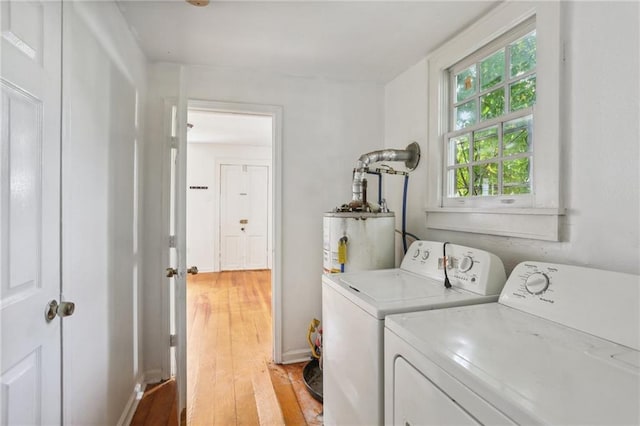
<point>466,264</point>
<point>536,283</point>
<point>425,255</point>
<point>416,253</point>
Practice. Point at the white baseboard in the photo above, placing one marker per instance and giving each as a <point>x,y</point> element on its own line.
<point>298,355</point>
<point>151,376</point>
<point>132,403</point>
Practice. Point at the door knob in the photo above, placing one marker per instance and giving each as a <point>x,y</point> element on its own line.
<point>62,309</point>
<point>171,272</point>
<point>242,229</point>
<point>193,270</point>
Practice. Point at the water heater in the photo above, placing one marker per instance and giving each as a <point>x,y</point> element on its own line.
<point>359,235</point>
<point>358,241</point>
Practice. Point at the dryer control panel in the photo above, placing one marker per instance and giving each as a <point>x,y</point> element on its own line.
<point>602,303</point>
<point>468,268</point>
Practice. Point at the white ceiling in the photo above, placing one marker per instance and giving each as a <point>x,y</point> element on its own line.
<point>358,40</point>
<point>229,128</point>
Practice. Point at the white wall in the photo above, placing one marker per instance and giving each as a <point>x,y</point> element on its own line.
<point>406,121</point>
<point>600,170</point>
<point>104,82</point>
<point>202,211</point>
<point>327,125</point>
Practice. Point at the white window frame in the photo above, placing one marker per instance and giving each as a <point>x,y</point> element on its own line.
<point>539,219</point>
<point>520,200</point>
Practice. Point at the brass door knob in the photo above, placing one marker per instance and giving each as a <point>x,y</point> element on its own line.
<point>171,272</point>
<point>193,270</point>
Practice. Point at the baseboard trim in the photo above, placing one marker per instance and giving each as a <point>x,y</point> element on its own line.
<point>298,355</point>
<point>151,376</point>
<point>132,403</point>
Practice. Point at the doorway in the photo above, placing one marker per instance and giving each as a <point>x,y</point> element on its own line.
<point>230,236</point>
<point>229,190</point>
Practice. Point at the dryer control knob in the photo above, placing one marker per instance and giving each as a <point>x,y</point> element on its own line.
<point>536,283</point>
<point>416,253</point>
<point>425,255</point>
<point>466,264</point>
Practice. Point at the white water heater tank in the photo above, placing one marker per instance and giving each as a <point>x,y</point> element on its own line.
<point>358,241</point>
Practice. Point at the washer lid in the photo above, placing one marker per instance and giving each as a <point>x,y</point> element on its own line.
<point>395,285</point>
<point>390,291</point>
<point>533,370</point>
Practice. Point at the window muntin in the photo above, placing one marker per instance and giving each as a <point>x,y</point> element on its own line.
<point>492,160</point>
<point>489,148</point>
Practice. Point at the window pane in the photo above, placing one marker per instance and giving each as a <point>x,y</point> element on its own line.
<point>492,70</point>
<point>523,93</point>
<point>492,104</point>
<point>523,55</point>
<point>516,176</point>
<point>459,182</point>
<point>485,179</point>
<point>485,144</point>
<point>466,83</point>
<point>466,114</point>
<point>459,150</point>
<point>516,137</point>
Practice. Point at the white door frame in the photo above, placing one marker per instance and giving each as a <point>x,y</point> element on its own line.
<point>217,243</point>
<point>276,211</point>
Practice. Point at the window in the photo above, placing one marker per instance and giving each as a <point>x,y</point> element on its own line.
<point>491,98</point>
<point>493,141</point>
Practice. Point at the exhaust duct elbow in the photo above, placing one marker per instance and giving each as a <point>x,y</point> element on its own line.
<point>410,156</point>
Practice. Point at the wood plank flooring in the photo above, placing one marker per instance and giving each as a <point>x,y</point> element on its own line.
<point>157,406</point>
<point>230,377</point>
<point>229,340</point>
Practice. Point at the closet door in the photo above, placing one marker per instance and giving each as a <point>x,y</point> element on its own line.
<point>30,377</point>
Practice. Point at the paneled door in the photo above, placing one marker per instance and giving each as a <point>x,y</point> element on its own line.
<point>244,215</point>
<point>175,253</point>
<point>30,82</point>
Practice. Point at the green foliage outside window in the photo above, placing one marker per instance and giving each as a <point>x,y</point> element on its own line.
<point>492,70</point>
<point>523,55</point>
<point>492,104</point>
<point>494,160</point>
<point>486,160</point>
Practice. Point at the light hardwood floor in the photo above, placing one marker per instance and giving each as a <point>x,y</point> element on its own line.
<point>229,340</point>
<point>230,377</point>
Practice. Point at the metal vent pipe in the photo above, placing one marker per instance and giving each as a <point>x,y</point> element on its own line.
<point>410,156</point>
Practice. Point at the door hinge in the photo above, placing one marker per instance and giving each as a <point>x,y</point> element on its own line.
<point>172,241</point>
<point>173,340</point>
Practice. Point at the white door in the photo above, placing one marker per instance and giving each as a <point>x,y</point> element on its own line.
<point>175,250</point>
<point>30,380</point>
<point>244,192</point>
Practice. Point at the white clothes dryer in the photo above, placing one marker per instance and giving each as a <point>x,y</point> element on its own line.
<point>562,346</point>
<point>355,304</point>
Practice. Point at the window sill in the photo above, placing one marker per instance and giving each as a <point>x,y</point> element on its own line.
<point>537,224</point>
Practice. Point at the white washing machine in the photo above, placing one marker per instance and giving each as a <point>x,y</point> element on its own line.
<point>355,304</point>
<point>561,347</point>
